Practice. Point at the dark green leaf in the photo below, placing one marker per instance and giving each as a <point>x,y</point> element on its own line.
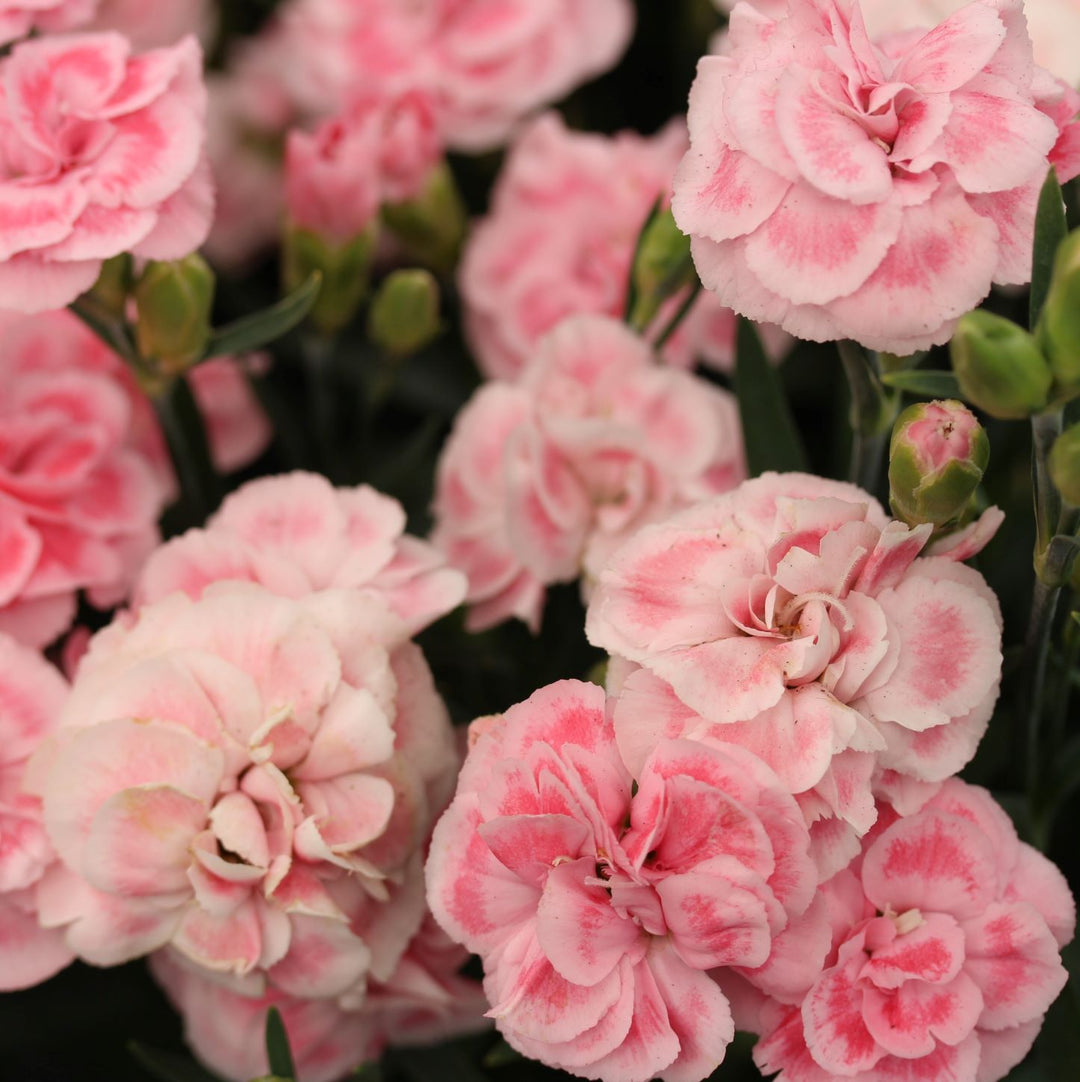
<point>933,383</point>
<point>1050,230</point>
<point>263,327</point>
<point>772,440</point>
<point>168,1066</point>
<point>278,1052</point>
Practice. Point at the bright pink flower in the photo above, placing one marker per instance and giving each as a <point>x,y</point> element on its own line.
<point>543,478</point>
<point>103,154</point>
<point>945,955</point>
<point>560,238</point>
<point>378,151</point>
<point>841,190</point>
<point>247,778</point>
<point>599,906</point>
<point>297,534</point>
<point>19,17</point>
<point>796,618</point>
<point>32,693</point>
<point>149,24</point>
<point>79,496</point>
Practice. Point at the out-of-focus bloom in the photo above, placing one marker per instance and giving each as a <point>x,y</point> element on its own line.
<point>79,498</point>
<point>32,693</point>
<point>149,24</point>
<point>559,240</point>
<point>543,478</point>
<point>945,955</point>
<point>795,616</point>
<point>599,906</point>
<point>19,17</point>
<point>842,189</point>
<point>103,154</point>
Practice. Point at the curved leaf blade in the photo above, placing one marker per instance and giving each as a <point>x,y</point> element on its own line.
<point>264,327</point>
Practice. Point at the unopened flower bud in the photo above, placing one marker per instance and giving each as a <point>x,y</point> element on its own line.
<point>999,366</point>
<point>345,267</point>
<point>1059,324</point>
<point>662,268</point>
<point>404,315</point>
<point>1064,464</point>
<point>937,458</point>
<point>174,301</point>
<point>430,226</point>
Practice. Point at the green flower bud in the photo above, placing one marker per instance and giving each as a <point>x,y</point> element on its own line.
<point>345,268</point>
<point>937,458</point>
<point>999,366</point>
<point>1059,324</point>
<point>115,283</point>
<point>1064,464</point>
<point>431,227</point>
<point>404,315</point>
<point>174,301</point>
<point>662,267</point>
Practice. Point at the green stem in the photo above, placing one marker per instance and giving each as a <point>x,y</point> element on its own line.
<point>318,354</point>
<point>681,313</point>
<point>1036,656</point>
<point>1045,429</point>
<point>1069,661</point>
<point>873,410</point>
<point>185,434</point>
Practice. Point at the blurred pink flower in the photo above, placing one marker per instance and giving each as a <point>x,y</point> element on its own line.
<point>103,154</point>
<point>845,190</point>
<point>32,694</point>
<point>543,478</point>
<point>559,240</point>
<point>599,906</point>
<point>794,617</point>
<point>19,17</point>
<point>150,24</point>
<point>945,954</point>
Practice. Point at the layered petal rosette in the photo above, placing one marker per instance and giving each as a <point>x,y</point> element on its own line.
<point>102,154</point>
<point>947,934</point>
<point>792,614</point>
<point>247,779</point>
<point>32,694</point>
<point>19,17</point>
<point>600,900</point>
<point>520,275</point>
<point>844,189</point>
<point>541,479</point>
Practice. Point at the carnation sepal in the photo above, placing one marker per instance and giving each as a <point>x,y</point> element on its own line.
<point>345,268</point>
<point>404,313</point>
<point>174,300</point>
<point>431,227</point>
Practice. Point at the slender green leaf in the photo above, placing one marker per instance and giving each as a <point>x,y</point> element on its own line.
<point>931,382</point>
<point>1050,230</point>
<point>278,1052</point>
<point>264,327</point>
<point>772,440</point>
<point>185,432</point>
<point>168,1066</point>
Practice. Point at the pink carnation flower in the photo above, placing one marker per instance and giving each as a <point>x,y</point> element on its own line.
<point>542,479</point>
<point>149,24</point>
<point>845,190</point>
<point>248,779</point>
<point>103,154</point>
<point>560,238</point>
<point>945,955</point>
<point>599,900</point>
<point>796,618</point>
<point>32,693</point>
<point>19,17</point>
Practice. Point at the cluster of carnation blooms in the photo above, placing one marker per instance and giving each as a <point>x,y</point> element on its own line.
<point>247,774</point>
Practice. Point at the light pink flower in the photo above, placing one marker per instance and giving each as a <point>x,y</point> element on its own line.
<point>378,151</point>
<point>248,779</point>
<point>543,478</point>
<point>79,496</point>
<point>297,534</point>
<point>559,240</point>
<point>19,17</point>
<point>103,154</point>
<point>599,906</point>
<point>32,693</point>
<point>845,190</point>
<point>149,24</point>
<point>945,956</point>
<point>796,618</point>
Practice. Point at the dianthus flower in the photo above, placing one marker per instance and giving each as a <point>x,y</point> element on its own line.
<point>32,694</point>
<point>541,479</point>
<point>520,276</point>
<point>19,17</point>
<point>804,625</point>
<point>599,900</point>
<point>945,955</point>
<point>103,154</point>
<point>149,24</point>
<point>842,188</point>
